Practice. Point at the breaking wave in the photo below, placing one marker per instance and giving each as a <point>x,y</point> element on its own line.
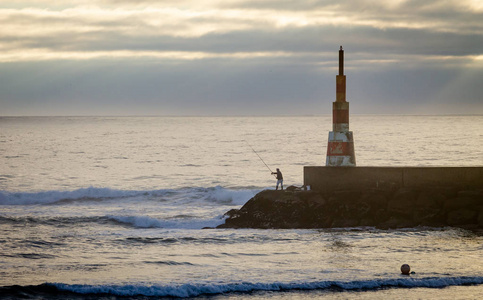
<point>49,197</point>
<point>195,290</point>
<point>182,223</point>
<point>216,194</point>
<point>178,222</point>
<point>130,221</point>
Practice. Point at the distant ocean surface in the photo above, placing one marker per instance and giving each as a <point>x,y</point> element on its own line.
<point>113,207</point>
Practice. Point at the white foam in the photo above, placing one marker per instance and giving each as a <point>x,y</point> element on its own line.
<point>227,196</point>
<point>182,223</point>
<point>194,290</point>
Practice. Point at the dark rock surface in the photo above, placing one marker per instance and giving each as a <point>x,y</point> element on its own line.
<point>382,208</point>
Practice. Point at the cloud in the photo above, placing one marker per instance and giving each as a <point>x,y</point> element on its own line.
<point>92,24</point>
<point>226,54</point>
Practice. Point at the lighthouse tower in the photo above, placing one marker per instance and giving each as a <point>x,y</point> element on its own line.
<point>340,150</point>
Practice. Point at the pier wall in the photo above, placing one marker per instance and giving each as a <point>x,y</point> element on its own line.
<point>327,179</point>
<point>381,197</point>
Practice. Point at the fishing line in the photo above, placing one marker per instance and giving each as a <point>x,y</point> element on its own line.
<point>258,156</point>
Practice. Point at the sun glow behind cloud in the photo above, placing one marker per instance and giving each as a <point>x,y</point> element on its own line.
<point>44,55</point>
<point>44,26</point>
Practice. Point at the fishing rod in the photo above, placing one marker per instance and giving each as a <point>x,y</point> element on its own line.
<point>259,156</point>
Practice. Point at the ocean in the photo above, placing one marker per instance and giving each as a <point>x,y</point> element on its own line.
<point>123,207</point>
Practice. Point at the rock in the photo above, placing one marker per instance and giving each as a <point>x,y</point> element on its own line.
<point>461,202</point>
<point>397,222</point>
<point>293,188</point>
<point>480,218</point>
<point>372,206</point>
<point>345,223</point>
<point>462,216</point>
<point>316,201</point>
<point>272,209</point>
<point>350,198</point>
<point>381,216</point>
<point>375,198</point>
<point>402,203</point>
<point>367,222</point>
<point>428,216</point>
<point>403,208</point>
<point>232,213</point>
<point>430,199</point>
<point>344,205</point>
<point>476,194</point>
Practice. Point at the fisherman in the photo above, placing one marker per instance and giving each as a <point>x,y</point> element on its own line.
<point>279,178</point>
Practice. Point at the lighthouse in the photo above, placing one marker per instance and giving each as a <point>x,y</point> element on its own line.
<point>340,149</point>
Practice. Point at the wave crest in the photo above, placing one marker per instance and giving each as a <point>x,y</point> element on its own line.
<point>150,222</point>
<point>195,290</point>
<point>49,197</point>
<point>216,194</point>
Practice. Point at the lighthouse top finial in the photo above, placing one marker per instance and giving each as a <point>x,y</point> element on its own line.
<point>341,61</point>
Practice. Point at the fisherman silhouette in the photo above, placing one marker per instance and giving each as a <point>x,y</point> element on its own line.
<point>279,178</point>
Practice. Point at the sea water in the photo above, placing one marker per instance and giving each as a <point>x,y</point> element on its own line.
<point>106,207</point>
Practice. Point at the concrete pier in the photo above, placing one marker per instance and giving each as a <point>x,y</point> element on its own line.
<point>381,197</point>
<point>326,179</point>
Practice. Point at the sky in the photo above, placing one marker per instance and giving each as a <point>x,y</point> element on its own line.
<point>235,57</point>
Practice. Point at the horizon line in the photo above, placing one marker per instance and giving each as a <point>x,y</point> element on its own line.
<point>229,115</point>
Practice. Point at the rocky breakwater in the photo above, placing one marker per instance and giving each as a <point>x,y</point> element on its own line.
<point>381,208</point>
